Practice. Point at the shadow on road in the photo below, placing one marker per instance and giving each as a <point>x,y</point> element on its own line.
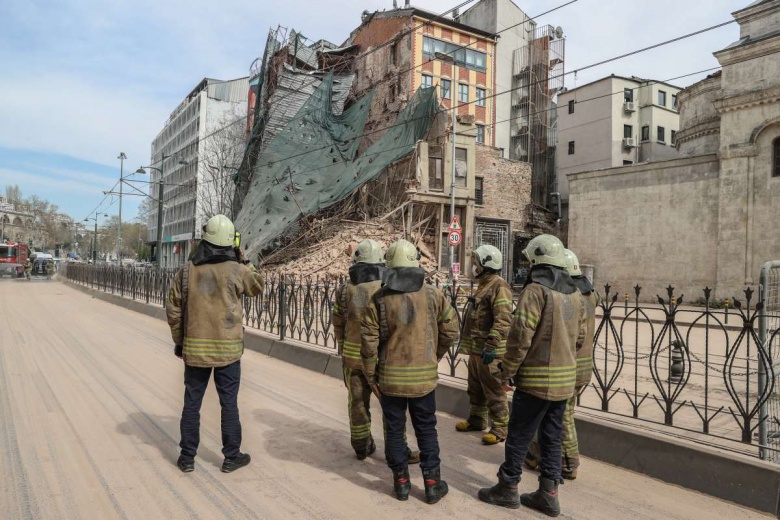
<point>162,432</point>
<point>305,441</point>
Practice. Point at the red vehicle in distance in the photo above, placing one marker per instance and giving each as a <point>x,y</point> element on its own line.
<point>12,258</point>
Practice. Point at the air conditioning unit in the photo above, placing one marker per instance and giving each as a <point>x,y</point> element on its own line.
<point>629,142</point>
<point>628,107</point>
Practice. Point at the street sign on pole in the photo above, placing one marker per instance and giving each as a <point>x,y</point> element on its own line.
<point>455,238</point>
<point>455,224</point>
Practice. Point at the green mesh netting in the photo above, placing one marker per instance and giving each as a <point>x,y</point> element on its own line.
<point>312,163</point>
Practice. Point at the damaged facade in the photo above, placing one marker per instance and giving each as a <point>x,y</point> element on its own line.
<point>381,105</point>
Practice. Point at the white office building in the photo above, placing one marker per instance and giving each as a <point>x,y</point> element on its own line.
<point>614,121</point>
<point>200,150</point>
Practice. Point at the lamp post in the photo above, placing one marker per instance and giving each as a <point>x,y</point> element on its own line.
<point>451,60</point>
<point>141,169</point>
<point>121,158</point>
<point>94,244</point>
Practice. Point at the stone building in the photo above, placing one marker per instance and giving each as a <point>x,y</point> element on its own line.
<point>706,218</point>
<point>17,225</point>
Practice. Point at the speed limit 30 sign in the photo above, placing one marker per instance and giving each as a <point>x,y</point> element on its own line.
<point>455,238</point>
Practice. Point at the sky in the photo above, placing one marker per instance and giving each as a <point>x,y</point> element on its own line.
<point>83,80</point>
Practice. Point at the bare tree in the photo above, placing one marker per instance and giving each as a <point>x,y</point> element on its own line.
<point>13,193</point>
<point>219,159</point>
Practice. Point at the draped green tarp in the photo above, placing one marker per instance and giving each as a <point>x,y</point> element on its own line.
<point>312,163</point>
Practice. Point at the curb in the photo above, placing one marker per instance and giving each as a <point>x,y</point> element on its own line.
<point>732,477</point>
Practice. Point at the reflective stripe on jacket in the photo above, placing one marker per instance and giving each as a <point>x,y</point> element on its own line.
<point>487,322</point>
<point>348,310</point>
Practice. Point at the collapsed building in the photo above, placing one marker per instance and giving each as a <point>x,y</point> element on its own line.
<point>356,140</point>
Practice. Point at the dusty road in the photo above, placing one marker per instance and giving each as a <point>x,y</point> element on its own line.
<point>90,396</point>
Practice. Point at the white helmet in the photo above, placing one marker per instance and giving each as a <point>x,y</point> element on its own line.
<point>572,263</point>
<point>546,249</point>
<point>489,257</point>
<point>402,253</point>
<point>368,252</point>
<point>219,231</point>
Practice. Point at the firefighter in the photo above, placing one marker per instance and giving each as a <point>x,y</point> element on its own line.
<point>205,314</point>
<point>365,279</point>
<point>548,328</point>
<point>27,269</point>
<point>407,328</point>
<point>484,340</point>
<point>569,446</point>
<point>49,269</point>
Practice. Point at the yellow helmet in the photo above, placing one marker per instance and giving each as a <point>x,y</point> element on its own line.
<point>402,253</point>
<point>368,252</point>
<point>219,231</point>
<point>547,250</point>
<point>572,263</point>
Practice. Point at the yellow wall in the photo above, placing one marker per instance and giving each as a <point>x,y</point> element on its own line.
<point>489,78</point>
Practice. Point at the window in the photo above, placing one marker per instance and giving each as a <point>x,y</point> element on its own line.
<point>435,170</point>
<point>628,131</point>
<point>427,81</point>
<point>461,167</point>
<point>464,57</point>
<point>646,133</point>
<point>446,86</point>
<point>481,134</point>
<point>662,98</point>
<point>661,137</point>
<point>628,95</point>
<point>674,101</point>
<point>776,158</point>
<point>480,97</point>
<point>394,53</point>
<point>479,193</point>
<point>571,106</point>
<point>463,93</point>
<point>627,163</point>
<point>674,137</point>
<point>571,147</point>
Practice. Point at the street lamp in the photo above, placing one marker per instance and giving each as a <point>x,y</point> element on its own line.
<point>141,170</point>
<point>94,236</point>
<point>449,59</point>
<point>121,158</point>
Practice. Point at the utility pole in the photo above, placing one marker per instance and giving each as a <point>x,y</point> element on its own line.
<point>160,220</point>
<point>94,248</point>
<point>121,158</point>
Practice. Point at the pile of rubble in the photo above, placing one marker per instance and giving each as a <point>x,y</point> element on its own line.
<point>330,253</point>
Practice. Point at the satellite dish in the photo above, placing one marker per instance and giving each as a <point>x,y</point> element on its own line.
<point>559,32</point>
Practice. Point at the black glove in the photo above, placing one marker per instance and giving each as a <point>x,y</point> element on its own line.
<point>178,350</point>
<point>488,356</point>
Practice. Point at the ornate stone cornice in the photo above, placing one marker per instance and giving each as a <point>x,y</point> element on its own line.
<point>750,99</point>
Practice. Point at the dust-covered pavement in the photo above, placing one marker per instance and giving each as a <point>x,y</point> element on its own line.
<point>90,397</point>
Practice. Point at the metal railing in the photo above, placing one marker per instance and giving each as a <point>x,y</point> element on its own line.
<point>682,370</point>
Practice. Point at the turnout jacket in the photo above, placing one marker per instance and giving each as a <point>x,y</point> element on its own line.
<point>585,354</point>
<point>209,324</point>
<point>548,329</point>
<point>489,318</point>
<point>407,328</point>
<point>352,298</point>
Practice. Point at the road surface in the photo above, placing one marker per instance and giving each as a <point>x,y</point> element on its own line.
<point>90,396</point>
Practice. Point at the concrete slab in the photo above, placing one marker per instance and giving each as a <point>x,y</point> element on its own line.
<point>300,356</point>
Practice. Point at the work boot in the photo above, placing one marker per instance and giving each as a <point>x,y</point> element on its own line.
<point>569,474</point>
<point>362,454</point>
<point>502,494</point>
<point>491,438</point>
<point>531,462</point>
<point>435,487</point>
<point>185,465</point>
<point>401,484</point>
<point>234,463</point>
<point>413,456</point>
<point>466,426</point>
<point>545,499</point>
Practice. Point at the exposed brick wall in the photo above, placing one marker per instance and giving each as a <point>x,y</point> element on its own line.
<point>506,187</point>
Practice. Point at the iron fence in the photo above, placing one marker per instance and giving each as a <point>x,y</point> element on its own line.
<point>705,372</point>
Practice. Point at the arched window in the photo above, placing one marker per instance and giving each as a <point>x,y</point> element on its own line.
<point>776,157</point>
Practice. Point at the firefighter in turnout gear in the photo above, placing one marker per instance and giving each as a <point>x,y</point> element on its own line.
<point>205,313</point>
<point>406,330</point>
<point>28,269</point>
<point>365,279</point>
<point>569,446</point>
<point>548,329</point>
<point>484,341</point>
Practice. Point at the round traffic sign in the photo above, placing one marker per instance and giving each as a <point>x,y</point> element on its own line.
<point>455,238</point>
